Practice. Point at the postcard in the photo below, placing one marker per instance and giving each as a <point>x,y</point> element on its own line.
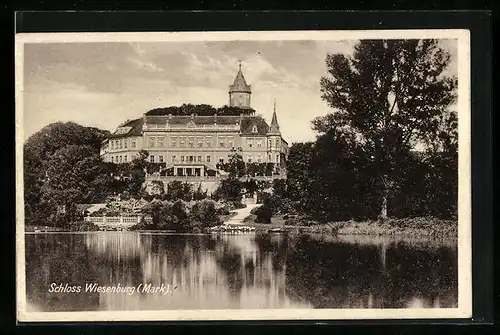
<point>246,175</point>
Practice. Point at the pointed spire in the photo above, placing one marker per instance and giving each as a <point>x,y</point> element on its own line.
<point>240,84</point>
<point>274,128</point>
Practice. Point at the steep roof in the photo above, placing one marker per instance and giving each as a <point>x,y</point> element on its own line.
<point>132,128</point>
<point>274,128</point>
<point>248,122</point>
<point>200,120</point>
<point>239,84</point>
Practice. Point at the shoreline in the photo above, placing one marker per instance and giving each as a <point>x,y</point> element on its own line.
<point>340,229</point>
<point>420,228</point>
<point>399,228</point>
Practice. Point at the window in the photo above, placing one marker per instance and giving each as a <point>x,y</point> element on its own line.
<point>254,129</point>
<point>230,143</point>
<point>152,159</point>
<point>208,158</point>
<point>259,158</point>
<point>125,144</point>
<point>174,158</point>
<point>270,158</point>
<point>112,159</point>
<point>191,142</point>
<point>120,159</point>
<point>160,141</point>
<point>133,144</point>
<point>191,158</point>
<point>208,141</point>
<point>112,145</point>
<point>200,142</point>
<point>151,143</point>
<point>221,160</point>
<point>259,143</point>
<point>249,159</point>
<point>160,159</point>
<point>182,158</point>
<point>174,142</point>
<point>199,158</point>
<point>221,143</point>
<point>277,158</point>
<point>182,142</point>
<point>249,142</point>
<point>125,158</point>
<point>270,143</point>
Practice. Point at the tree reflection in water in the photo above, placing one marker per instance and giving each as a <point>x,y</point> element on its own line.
<point>240,271</point>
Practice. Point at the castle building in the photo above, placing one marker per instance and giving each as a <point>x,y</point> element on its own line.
<point>193,145</point>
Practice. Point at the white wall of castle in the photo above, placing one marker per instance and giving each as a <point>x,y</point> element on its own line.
<point>206,147</point>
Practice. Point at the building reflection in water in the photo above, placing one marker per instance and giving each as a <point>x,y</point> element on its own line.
<point>241,271</point>
<point>227,269</point>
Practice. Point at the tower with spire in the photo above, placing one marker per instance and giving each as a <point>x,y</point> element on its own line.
<point>274,145</point>
<point>274,129</point>
<point>239,91</point>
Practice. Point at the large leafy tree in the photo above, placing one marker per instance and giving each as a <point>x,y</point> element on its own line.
<point>391,95</point>
<point>299,172</point>
<point>40,152</point>
<point>71,176</point>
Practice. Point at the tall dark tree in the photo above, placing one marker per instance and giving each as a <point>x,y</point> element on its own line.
<point>391,95</point>
<point>299,172</point>
<point>236,165</point>
<point>43,152</point>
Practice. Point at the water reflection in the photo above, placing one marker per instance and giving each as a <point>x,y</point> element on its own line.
<point>240,271</point>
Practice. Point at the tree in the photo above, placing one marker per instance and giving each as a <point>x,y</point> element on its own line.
<point>229,189</point>
<point>391,95</point>
<point>236,165</point>
<point>39,150</point>
<point>179,190</point>
<point>203,214</point>
<point>299,172</point>
<point>70,175</point>
<point>199,194</point>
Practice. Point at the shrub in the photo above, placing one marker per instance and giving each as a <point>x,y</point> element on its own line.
<point>83,226</point>
<point>223,211</point>
<point>203,214</point>
<point>179,190</point>
<point>263,214</point>
<point>142,225</point>
<point>199,194</point>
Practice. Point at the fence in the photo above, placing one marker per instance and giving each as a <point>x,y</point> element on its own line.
<point>113,221</point>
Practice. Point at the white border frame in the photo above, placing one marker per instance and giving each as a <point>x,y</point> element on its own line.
<point>464,309</point>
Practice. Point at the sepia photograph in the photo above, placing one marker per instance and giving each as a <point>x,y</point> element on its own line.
<point>243,175</point>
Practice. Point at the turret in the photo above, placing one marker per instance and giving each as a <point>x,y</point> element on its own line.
<point>274,139</point>
<point>239,91</point>
<point>274,129</point>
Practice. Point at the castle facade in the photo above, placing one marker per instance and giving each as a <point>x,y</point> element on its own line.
<point>193,145</point>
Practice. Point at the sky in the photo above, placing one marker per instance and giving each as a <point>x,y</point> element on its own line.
<point>103,84</point>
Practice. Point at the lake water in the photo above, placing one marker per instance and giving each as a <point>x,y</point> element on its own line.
<point>239,271</point>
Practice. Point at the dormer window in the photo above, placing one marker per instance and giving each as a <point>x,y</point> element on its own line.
<point>254,129</point>
<point>122,130</point>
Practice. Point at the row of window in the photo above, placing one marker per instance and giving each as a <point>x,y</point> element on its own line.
<point>182,158</point>
<point>200,158</point>
<point>190,142</point>
<point>122,144</point>
<point>119,159</point>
